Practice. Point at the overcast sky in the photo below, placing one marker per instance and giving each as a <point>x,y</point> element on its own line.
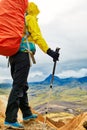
<point>63,23</point>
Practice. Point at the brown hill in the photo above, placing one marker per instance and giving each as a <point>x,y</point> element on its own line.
<point>42,123</point>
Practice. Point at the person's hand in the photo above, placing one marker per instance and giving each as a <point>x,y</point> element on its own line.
<point>53,54</point>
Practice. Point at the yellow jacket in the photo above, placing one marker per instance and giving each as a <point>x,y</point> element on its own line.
<point>33,27</point>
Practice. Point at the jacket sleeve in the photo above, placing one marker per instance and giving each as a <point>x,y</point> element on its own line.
<point>36,35</point>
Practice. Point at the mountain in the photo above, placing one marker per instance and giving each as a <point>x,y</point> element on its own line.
<point>82,80</point>
<point>71,82</point>
<point>63,82</point>
<point>5,85</point>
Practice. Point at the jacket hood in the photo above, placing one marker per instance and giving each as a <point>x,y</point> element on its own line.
<point>32,9</point>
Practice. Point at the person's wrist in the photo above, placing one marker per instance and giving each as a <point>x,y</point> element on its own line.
<point>48,51</point>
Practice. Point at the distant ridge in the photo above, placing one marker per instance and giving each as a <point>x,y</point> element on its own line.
<point>57,81</point>
<point>5,85</point>
<point>63,81</point>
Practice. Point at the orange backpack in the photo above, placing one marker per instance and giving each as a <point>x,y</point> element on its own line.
<point>11,25</point>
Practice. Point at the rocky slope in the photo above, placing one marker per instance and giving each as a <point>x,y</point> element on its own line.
<point>75,123</point>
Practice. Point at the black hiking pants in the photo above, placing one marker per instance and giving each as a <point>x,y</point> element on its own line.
<point>20,65</point>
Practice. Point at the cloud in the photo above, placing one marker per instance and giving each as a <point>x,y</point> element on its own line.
<point>49,10</point>
<point>5,74</point>
<point>39,72</point>
<point>68,30</point>
<point>35,76</point>
<point>72,73</point>
<point>3,62</point>
<point>63,23</point>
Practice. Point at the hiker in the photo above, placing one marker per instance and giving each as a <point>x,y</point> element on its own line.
<point>20,66</point>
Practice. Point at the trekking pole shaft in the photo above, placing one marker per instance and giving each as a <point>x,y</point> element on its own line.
<point>57,50</point>
<point>53,73</point>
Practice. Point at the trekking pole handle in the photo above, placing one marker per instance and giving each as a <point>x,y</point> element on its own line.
<point>57,50</point>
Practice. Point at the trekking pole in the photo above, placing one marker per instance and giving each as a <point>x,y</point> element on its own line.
<point>51,86</point>
<point>52,79</point>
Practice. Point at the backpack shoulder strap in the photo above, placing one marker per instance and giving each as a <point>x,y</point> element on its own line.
<point>27,42</point>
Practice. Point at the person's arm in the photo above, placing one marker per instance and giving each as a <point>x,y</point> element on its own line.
<point>36,35</point>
